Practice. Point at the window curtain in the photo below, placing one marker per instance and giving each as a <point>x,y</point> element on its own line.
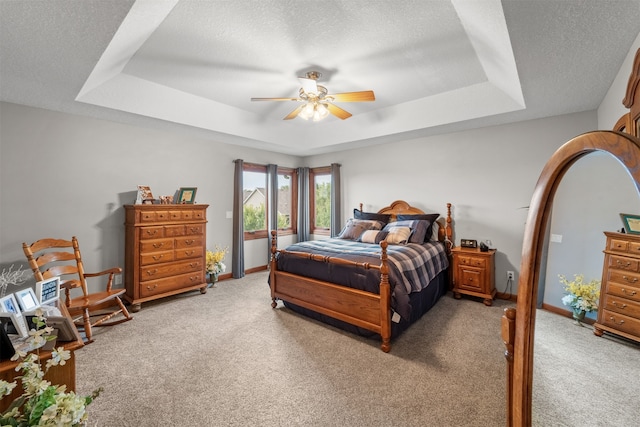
<point>237,255</point>
<point>272,204</point>
<point>303,205</point>
<point>336,208</point>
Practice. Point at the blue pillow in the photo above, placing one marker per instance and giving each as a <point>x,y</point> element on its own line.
<point>431,218</point>
<point>418,229</point>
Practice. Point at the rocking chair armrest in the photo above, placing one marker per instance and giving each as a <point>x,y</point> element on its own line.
<point>114,270</point>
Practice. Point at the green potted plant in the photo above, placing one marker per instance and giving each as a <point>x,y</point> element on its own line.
<point>582,297</point>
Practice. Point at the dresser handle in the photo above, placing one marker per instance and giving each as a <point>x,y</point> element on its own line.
<point>621,265</point>
<point>152,232</point>
<point>618,304</point>
<point>634,280</point>
<point>154,271</point>
<point>195,229</point>
<point>194,264</point>
<point>188,253</point>
<point>150,288</point>
<point>189,242</point>
<point>194,278</point>
<point>158,245</point>
<point>157,257</point>
<point>613,319</point>
<point>632,293</point>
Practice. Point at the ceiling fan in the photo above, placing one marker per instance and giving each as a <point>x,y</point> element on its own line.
<point>317,103</point>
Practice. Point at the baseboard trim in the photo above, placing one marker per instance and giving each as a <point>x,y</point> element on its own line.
<point>565,313</point>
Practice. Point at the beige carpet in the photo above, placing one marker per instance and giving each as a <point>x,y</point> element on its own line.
<point>227,358</point>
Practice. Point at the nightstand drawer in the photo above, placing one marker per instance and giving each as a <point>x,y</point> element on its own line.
<point>470,279</point>
<point>472,261</point>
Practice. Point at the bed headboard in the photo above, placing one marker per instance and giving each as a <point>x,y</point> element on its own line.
<point>400,207</point>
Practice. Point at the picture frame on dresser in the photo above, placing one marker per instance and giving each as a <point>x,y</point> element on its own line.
<point>48,290</point>
<point>9,304</point>
<point>187,195</point>
<point>27,299</point>
<point>13,324</point>
<point>631,223</point>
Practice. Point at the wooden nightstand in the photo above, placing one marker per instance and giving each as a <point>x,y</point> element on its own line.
<point>473,273</point>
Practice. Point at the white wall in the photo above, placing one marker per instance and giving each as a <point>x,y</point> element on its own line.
<point>487,174</point>
<point>63,175</point>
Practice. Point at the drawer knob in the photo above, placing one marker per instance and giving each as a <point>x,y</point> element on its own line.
<point>150,288</point>
<point>632,280</point>
<point>613,319</point>
<point>158,245</point>
<point>620,264</point>
<point>157,257</point>
<point>152,232</point>
<point>189,242</point>
<point>193,278</point>
<point>632,293</point>
<point>194,264</point>
<point>152,272</point>
<point>195,229</point>
<point>189,253</point>
<point>617,304</point>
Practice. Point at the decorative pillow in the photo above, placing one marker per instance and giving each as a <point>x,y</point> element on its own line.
<point>435,229</point>
<point>373,236</point>
<point>418,229</point>
<point>398,235</point>
<point>427,217</point>
<point>355,227</point>
<point>358,214</point>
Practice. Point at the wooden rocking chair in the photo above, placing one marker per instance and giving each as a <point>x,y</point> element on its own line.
<point>56,257</point>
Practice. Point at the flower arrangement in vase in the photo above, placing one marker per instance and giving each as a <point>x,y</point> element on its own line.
<point>581,297</point>
<point>215,266</point>
<point>41,403</point>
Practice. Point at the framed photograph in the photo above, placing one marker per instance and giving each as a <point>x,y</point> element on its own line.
<point>65,330</point>
<point>27,299</point>
<point>187,195</point>
<point>13,325</point>
<point>6,346</point>
<point>144,195</point>
<point>631,223</point>
<point>8,304</point>
<point>48,290</point>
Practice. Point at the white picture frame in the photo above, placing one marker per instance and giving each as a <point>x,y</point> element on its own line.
<point>8,304</point>
<point>64,328</point>
<point>48,290</point>
<point>27,299</point>
<point>13,324</point>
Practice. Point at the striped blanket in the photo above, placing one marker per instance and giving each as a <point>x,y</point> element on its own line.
<point>417,264</point>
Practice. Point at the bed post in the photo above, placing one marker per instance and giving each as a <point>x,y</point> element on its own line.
<point>385,300</point>
<point>272,273</point>
<point>448,232</point>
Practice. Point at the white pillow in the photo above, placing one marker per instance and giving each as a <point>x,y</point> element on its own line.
<point>434,231</point>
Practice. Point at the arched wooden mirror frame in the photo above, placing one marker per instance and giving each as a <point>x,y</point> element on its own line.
<point>518,324</point>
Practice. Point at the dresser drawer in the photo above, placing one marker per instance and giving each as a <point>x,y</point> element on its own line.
<point>624,291</point>
<point>174,230</point>
<point>161,286</point>
<point>472,261</point>
<point>621,322</point>
<point>623,263</point>
<point>154,216</point>
<point>624,278</point>
<point>151,233</point>
<point>188,242</point>
<point>622,305</point>
<point>195,229</point>
<point>187,253</point>
<point>152,272</point>
<point>618,245</point>
<point>147,246</point>
<point>156,257</point>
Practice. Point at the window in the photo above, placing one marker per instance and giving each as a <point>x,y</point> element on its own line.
<point>320,200</point>
<point>255,205</point>
<point>254,201</point>
<point>287,201</point>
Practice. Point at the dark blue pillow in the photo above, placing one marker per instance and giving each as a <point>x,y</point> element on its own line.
<point>431,218</point>
<point>358,214</point>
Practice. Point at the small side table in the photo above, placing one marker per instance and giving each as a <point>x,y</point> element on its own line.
<point>473,273</point>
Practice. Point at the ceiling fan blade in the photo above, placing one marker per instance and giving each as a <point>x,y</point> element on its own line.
<point>274,99</point>
<point>365,95</point>
<point>338,112</point>
<point>294,113</point>
<point>308,85</point>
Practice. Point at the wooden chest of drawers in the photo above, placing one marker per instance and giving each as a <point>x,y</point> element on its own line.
<point>619,309</point>
<point>473,273</point>
<point>165,248</point>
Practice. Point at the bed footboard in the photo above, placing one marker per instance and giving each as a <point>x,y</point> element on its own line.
<point>360,308</point>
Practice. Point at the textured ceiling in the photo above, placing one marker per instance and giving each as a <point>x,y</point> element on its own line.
<point>192,65</point>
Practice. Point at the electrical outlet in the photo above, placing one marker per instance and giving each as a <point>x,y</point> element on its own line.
<point>117,279</point>
<point>510,275</point>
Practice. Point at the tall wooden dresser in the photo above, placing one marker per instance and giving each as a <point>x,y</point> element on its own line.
<point>619,309</point>
<point>165,248</point>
